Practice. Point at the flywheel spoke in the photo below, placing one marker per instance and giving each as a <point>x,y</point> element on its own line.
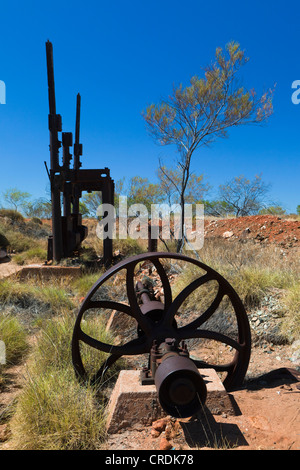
<point>109,304</point>
<point>168,319</point>
<point>208,313</point>
<point>208,334</point>
<point>135,346</point>
<point>217,367</point>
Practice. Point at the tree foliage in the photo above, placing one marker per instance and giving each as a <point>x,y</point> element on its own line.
<point>273,210</point>
<point>40,208</point>
<point>141,191</point>
<point>91,202</point>
<point>217,208</point>
<point>15,198</point>
<point>205,110</point>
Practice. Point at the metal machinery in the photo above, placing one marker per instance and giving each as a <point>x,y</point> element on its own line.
<point>180,387</point>
<point>68,183</point>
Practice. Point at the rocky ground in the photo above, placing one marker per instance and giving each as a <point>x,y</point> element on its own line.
<point>260,228</point>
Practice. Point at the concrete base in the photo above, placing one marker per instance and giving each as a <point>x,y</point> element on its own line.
<point>47,272</point>
<point>132,403</point>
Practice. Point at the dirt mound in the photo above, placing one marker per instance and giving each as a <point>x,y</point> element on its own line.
<point>259,228</point>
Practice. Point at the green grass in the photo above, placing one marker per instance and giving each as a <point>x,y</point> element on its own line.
<point>32,255</point>
<point>53,349</point>
<point>27,241</point>
<point>128,247</point>
<point>54,411</point>
<point>252,283</point>
<point>57,298</point>
<point>19,242</point>
<point>14,336</point>
<point>85,282</point>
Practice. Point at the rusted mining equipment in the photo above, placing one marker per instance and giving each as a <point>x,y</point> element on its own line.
<point>161,336</point>
<point>67,184</point>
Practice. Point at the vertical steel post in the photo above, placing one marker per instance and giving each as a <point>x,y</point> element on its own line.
<point>55,126</point>
<point>77,154</point>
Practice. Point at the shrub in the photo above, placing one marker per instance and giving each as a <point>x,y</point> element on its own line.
<point>128,247</point>
<point>33,255</point>
<point>290,325</point>
<point>12,215</point>
<point>19,242</point>
<point>36,220</point>
<point>252,283</point>
<point>252,271</point>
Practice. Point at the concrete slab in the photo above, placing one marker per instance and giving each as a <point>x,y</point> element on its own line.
<point>47,272</point>
<point>132,404</point>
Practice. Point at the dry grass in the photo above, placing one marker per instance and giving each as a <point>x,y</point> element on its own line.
<point>253,272</point>
<point>27,239</point>
<point>290,325</point>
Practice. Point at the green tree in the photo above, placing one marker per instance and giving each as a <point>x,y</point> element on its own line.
<point>170,183</point>
<point>119,191</point>
<point>16,198</point>
<point>91,202</point>
<point>141,191</point>
<point>83,209</point>
<point>40,207</point>
<point>298,209</point>
<point>217,208</point>
<point>202,112</point>
<point>273,210</point>
<point>243,196</point>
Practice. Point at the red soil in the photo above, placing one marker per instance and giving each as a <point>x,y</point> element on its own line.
<point>260,228</point>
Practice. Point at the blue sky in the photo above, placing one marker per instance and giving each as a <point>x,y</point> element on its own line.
<point>124,55</point>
